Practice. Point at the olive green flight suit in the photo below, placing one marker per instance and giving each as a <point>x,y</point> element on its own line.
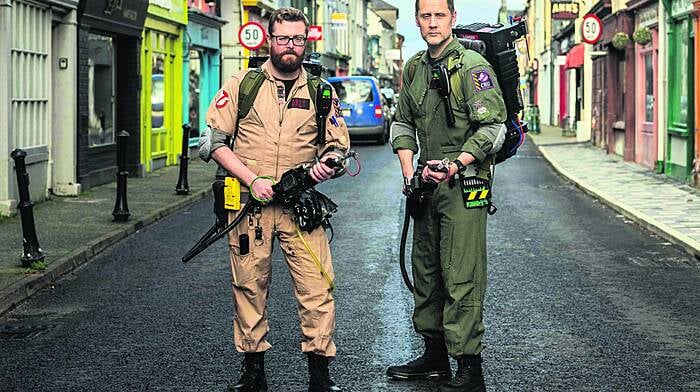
<point>449,240</point>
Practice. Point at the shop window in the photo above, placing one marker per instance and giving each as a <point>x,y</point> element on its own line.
<point>195,73</point>
<point>679,108</point>
<point>101,83</point>
<point>157,90</point>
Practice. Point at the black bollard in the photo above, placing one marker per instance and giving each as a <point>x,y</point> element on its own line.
<point>182,187</point>
<point>31,251</point>
<point>121,208</point>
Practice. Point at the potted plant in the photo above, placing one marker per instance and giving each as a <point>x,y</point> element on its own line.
<point>642,36</point>
<point>620,40</point>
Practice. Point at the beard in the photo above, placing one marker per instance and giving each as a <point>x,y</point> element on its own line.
<point>286,66</point>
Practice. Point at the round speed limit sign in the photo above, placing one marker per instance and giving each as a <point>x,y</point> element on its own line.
<point>591,29</point>
<point>252,35</point>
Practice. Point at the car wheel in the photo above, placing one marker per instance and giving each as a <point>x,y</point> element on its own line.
<point>383,137</point>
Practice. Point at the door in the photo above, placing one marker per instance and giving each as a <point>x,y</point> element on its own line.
<point>647,114</point>
<point>563,97</point>
<point>599,103</point>
<point>159,98</point>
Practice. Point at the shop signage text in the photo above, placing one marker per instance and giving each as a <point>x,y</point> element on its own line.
<point>565,9</point>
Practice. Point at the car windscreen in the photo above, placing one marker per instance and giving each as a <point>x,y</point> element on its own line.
<point>354,91</point>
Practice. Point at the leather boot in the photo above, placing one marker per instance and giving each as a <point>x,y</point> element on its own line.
<point>319,377</point>
<point>469,376</point>
<point>434,364</point>
<point>252,374</point>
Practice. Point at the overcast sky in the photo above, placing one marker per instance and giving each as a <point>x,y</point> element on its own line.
<point>468,11</point>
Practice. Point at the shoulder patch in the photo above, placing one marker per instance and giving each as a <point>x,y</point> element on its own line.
<point>222,99</point>
<point>482,80</point>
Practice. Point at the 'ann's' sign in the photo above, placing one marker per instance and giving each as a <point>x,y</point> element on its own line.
<point>565,9</point>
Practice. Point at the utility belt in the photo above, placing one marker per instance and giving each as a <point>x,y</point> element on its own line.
<point>310,208</point>
<point>475,190</point>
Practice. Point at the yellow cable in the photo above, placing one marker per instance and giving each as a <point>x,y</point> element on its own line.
<point>316,260</point>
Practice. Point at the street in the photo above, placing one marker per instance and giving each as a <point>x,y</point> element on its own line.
<point>578,299</point>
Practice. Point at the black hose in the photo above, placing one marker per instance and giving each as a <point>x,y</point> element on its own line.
<point>214,235</point>
<point>402,248</point>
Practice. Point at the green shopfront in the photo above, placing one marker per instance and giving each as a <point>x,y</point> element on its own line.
<point>679,160</point>
<point>202,67</point>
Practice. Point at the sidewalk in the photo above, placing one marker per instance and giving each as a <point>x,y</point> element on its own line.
<point>71,230</point>
<point>665,206</point>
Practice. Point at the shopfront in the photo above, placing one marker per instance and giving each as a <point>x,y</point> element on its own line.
<point>108,94</point>
<point>202,65</point>
<point>646,37</point>
<point>679,161</point>
<point>162,73</point>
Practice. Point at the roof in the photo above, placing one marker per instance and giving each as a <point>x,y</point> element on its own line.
<point>382,5</point>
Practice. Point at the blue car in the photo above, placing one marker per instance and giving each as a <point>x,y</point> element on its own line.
<point>364,107</point>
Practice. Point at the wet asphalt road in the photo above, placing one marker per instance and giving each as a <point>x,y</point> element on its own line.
<point>578,299</point>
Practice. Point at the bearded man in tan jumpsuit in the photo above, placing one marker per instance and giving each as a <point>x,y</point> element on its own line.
<point>278,134</point>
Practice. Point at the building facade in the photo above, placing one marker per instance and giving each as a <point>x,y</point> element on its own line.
<point>38,66</point>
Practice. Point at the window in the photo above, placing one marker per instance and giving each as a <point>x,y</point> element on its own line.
<point>354,91</point>
<point>679,105</point>
<point>649,88</point>
<point>157,90</point>
<point>101,91</point>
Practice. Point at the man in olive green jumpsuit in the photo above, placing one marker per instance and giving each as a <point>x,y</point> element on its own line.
<point>449,239</point>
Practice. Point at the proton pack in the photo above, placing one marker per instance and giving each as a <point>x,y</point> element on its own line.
<point>497,44</point>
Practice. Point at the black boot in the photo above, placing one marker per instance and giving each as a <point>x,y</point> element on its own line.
<point>253,374</point>
<point>469,377</point>
<point>319,377</point>
<point>434,364</point>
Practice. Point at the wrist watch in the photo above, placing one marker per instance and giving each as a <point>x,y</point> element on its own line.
<point>460,166</point>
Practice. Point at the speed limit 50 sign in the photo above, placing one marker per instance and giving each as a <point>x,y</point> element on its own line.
<point>591,29</point>
<point>252,35</point>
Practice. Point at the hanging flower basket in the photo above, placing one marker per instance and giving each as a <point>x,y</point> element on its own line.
<point>620,40</point>
<point>642,36</point>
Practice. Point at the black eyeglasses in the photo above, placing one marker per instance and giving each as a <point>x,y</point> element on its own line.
<point>297,40</point>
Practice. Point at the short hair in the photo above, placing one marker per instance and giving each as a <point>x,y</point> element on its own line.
<point>450,5</point>
<point>287,14</point>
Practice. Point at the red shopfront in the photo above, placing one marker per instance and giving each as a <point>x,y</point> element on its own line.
<point>646,83</point>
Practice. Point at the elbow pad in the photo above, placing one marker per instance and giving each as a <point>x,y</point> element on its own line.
<point>210,140</point>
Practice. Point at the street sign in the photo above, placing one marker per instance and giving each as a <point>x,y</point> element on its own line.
<point>315,33</point>
<point>252,35</point>
<point>591,29</point>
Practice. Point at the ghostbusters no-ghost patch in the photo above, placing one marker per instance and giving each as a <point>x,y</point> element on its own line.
<point>300,103</point>
<point>222,99</point>
<point>482,81</point>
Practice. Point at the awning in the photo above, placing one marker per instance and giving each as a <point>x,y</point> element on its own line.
<point>574,59</point>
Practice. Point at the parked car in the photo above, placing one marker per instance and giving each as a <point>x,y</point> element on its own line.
<point>364,107</point>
